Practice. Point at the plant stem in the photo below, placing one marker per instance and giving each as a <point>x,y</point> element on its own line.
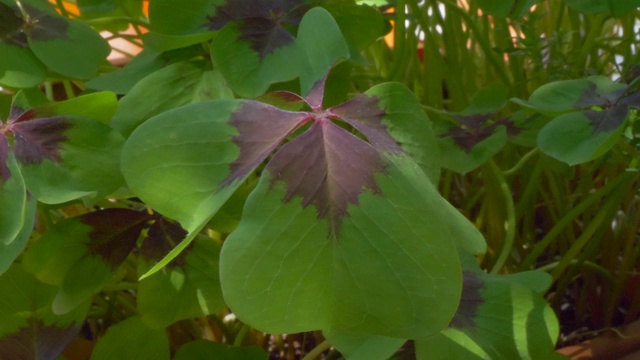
<point>510,224</point>
<point>241,335</point>
<point>316,351</point>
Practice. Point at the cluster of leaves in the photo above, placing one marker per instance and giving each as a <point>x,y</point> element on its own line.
<point>234,174</point>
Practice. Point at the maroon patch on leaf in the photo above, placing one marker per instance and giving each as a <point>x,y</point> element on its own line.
<point>261,129</point>
<point>261,22</point>
<point>476,128</point>
<point>11,24</point>
<point>5,173</point>
<point>328,167</point>
<point>364,113</point>
<point>470,300</point>
<point>37,341</point>
<point>39,139</point>
<point>114,233</point>
<point>162,237</point>
<point>608,119</point>
<point>42,26</point>
<point>592,98</point>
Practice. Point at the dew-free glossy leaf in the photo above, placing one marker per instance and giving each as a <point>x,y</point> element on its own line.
<point>19,67</point>
<point>499,318</point>
<point>67,46</point>
<point>175,85</point>
<point>574,94</point>
<point>364,347</point>
<point>188,287</point>
<point>17,208</point>
<point>81,254</point>
<point>324,277</point>
<point>581,136</point>
<point>250,68</point>
<point>29,330</point>
<point>204,350</point>
<point>132,339</point>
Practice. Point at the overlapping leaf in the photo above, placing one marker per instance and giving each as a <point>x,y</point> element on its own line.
<point>589,117</point>
<point>65,150</point>
<point>203,350</point>
<point>188,287</point>
<point>33,34</point>
<point>182,83</point>
<point>500,317</point>
<point>122,341</point>
<point>478,136</point>
<point>617,8</point>
<point>81,254</point>
<point>251,60</point>
<point>29,330</point>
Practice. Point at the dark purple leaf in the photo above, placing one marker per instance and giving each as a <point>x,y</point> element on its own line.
<point>316,95</point>
<point>632,99</point>
<point>261,22</point>
<point>114,233</point>
<point>11,26</point>
<point>475,128</point>
<point>469,302</point>
<point>328,167</point>
<point>365,114</point>
<point>39,341</point>
<point>608,119</point>
<point>261,129</point>
<point>163,236</point>
<point>42,26</point>
<point>5,173</point>
<point>592,98</point>
<point>39,139</point>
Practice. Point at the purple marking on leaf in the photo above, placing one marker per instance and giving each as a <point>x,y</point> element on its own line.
<point>328,167</point>
<point>42,26</point>
<point>40,139</point>
<point>365,114</point>
<point>18,114</point>
<point>11,24</point>
<point>162,237</point>
<point>261,21</point>
<point>632,99</point>
<point>592,98</point>
<point>316,95</point>
<point>5,173</point>
<point>607,120</point>
<point>470,300</point>
<point>37,341</point>
<point>114,233</point>
<point>474,130</point>
<point>261,128</point>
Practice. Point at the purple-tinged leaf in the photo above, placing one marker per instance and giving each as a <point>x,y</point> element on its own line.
<point>29,330</point>
<point>11,24</point>
<point>261,23</point>
<point>316,94</point>
<point>261,128</point>
<point>328,167</point>
<point>163,236</point>
<point>43,26</point>
<point>593,96</point>
<point>39,139</point>
<point>114,233</point>
<point>365,114</point>
<point>37,341</point>
<point>607,120</point>
<point>469,301</point>
<point>5,173</point>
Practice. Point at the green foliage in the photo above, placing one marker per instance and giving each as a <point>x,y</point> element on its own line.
<point>274,176</point>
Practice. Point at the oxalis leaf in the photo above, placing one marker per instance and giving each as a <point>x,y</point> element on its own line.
<point>81,254</point>
<point>65,150</point>
<point>29,329</point>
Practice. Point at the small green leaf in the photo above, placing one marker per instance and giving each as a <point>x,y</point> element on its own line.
<point>19,67</point>
<point>177,17</point>
<point>189,287</point>
<point>457,159</point>
<point>181,83</point>
<point>581,136</point>
<point>205,350</point>
<point>364,347</point>
<point>132,339</point>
